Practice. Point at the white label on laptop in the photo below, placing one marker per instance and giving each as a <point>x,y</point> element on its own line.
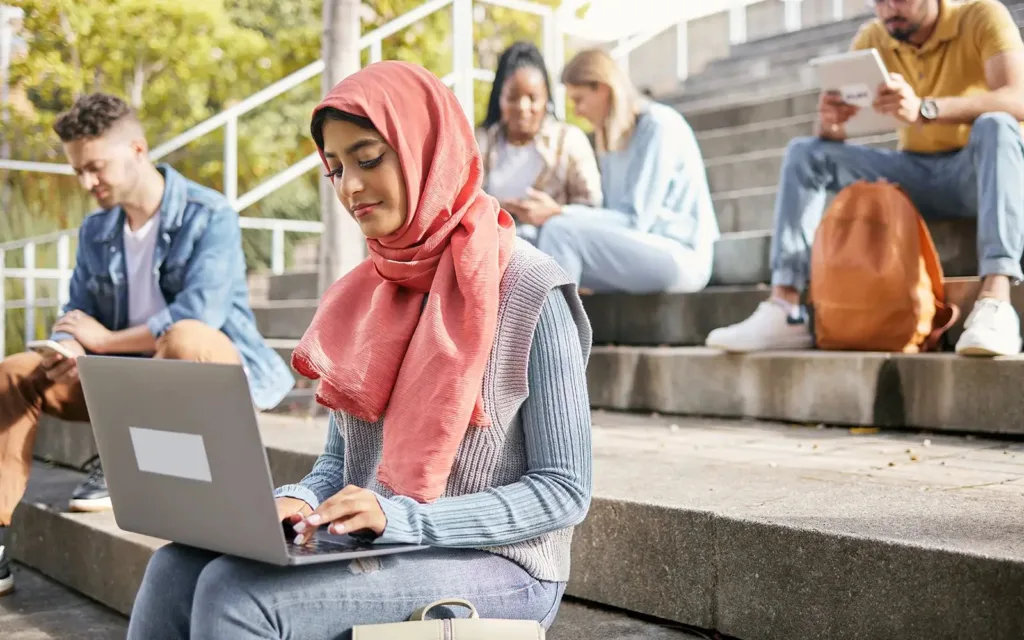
<point>182,455</point>
<point>859,95</point>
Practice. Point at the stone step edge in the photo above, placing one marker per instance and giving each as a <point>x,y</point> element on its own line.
<point>690,107</point>
<point>940,392</point>
<point>115,579</point>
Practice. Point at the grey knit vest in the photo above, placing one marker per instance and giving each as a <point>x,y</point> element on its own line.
<point>493,456</point>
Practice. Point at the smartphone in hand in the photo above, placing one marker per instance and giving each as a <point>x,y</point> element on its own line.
<point>48,348</point>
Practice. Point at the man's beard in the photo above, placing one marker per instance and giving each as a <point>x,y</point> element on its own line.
<point>904,33</point>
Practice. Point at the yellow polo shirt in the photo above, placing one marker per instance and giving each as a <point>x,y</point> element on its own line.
<point>950,63</point>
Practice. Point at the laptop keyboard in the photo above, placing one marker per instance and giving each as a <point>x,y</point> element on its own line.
<point>317,546</point>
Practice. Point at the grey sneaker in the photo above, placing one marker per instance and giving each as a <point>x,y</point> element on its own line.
<point>92,494</point>
<point>6,577</point>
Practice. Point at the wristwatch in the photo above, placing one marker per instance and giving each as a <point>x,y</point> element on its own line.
<point>929,109</point>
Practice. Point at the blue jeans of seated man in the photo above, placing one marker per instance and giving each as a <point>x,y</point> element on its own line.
<point>984,180</point>
<point>190,593</point>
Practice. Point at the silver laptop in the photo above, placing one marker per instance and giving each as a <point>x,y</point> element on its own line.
<point>184,461</point>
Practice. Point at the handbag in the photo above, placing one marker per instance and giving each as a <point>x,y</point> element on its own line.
<point>472,628</point>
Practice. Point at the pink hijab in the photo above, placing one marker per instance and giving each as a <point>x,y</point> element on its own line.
<point>377,349</point>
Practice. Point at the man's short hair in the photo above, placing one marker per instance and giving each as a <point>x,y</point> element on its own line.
<point>93,116</point>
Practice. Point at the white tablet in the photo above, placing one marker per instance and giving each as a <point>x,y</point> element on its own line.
<point>856,76</point>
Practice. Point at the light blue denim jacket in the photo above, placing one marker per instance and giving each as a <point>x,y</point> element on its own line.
<point>201,269</point>
<point>657,183</point>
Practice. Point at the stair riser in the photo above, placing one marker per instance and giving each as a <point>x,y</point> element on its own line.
<point>800,77</point>
<point>772,135</point>
<point>284,323</point>
<point>942,393</point>
<point>720,116</point>
<point>686,320</point>
<point>300,285</point>
<point>739,211</point>
<point>794,48</point>
<point>761,170</point>
<point>783,41</point>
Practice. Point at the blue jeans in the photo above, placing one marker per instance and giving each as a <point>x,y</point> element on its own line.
<point>600,251</point>
<point>984,180</point>
<point>191,593</point>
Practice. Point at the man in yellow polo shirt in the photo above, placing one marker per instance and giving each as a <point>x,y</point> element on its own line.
<point>957,84</point>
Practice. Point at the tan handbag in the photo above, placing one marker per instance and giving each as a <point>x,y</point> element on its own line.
<point>472,628</point>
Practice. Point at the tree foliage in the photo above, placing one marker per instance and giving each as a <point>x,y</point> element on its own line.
<point>182,61</point>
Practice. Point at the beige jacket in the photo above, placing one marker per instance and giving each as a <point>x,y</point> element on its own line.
<point>570,173</point>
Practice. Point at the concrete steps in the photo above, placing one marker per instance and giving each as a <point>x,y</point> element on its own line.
<point>649,357</point>
<point>115,583</point>
<point>760,168</point>
<point>41,609</point>
<point>741,258</point>
<point>942,392</point>
<point>754,49</point>
<point>743,107</point>
<point>756,530</point>
<point>783,58</point>
<point>665,319</point>
<point>771,134</point>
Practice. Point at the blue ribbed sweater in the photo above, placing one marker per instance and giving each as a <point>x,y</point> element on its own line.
<point>520,486</point>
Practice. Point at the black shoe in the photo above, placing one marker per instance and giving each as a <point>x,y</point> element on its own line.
<point>91,495</point>
<point>6,577</point>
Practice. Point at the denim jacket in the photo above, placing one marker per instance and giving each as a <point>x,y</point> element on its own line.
<point>201,269</point>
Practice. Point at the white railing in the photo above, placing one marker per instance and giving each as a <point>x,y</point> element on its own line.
<point>460,79</point>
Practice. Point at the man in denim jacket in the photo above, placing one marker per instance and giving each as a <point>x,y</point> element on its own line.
<point>160,273</point>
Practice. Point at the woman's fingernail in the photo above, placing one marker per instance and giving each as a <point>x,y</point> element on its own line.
<point>300,539</point>
<point>338,529</point>
<point>299,526</point>
<point>313,519</point>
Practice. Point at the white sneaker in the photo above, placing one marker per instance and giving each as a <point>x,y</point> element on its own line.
<point>772,326</point>
<point>6,575</point>
<point>992,329</point>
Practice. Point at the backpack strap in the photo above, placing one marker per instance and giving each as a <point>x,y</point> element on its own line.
<point>946,313</point>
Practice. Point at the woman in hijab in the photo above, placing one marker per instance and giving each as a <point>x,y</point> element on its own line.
<point>453,362</point>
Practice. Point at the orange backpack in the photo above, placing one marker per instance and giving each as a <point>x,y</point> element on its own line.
<point>876,280</point>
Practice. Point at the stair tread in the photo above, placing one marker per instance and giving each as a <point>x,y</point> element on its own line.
<point>827,479</point>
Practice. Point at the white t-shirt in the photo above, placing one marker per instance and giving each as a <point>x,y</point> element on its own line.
<point>144,297</point>
<point>515,169</point>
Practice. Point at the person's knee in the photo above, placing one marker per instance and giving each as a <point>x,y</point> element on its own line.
<point>555,232</point>
<point>165,580</point>
<point>224,598</point>
<point>22,374</point>
<point>188,340</point>
<point>994,129</point>
<point>168,566</point>
<point>804,149</point>
<point>20,365</point>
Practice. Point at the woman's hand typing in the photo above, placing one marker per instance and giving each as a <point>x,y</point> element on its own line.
<point>351,510</point>
<point>292,509</point>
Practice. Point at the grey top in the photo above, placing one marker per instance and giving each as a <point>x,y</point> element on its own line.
<point>519,487</point>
